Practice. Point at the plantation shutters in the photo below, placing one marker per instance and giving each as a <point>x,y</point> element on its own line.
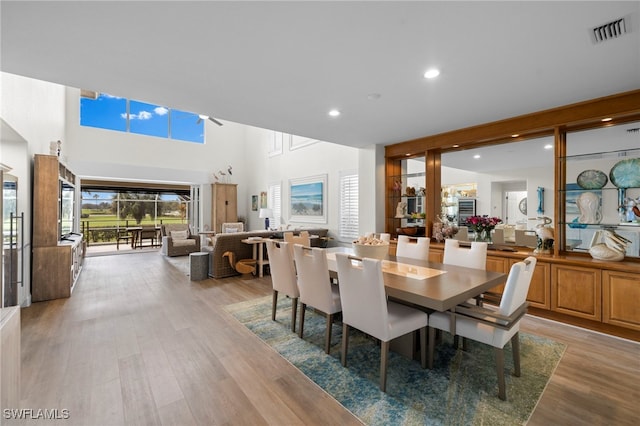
<point>348,227</point>
<point>274,202</point>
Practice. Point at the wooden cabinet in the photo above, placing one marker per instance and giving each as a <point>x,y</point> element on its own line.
<point>576,291</point>
<point>46,204</point>
<point>620,296</point>
<point>224,205</point>
<point>56,263</point>
<point>539,294</point>
<point>497,264</point>
<point>436,256</point>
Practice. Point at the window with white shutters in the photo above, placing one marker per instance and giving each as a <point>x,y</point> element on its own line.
<point>274,202</point>
<point>348,227</point>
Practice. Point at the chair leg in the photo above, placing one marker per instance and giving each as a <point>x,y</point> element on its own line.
<point>327,334</point>
<point>345,343</point>
<point>432,347</point>
<point>273,305</point>
<point>294,312</point>
<point>384,353</point>
<point>515,347</point>
<point>502,392</point>
<point>301,326</point>
<point>423,347</point>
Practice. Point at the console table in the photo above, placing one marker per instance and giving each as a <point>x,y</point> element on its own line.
<point>258,252</point>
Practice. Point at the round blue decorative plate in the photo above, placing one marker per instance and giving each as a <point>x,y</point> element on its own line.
<point>592,179</point>
<point>626,173</point>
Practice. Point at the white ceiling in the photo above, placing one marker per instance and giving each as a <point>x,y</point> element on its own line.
<point>283,65</point>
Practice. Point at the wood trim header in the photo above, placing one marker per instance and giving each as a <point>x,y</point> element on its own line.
<point>622,107</point>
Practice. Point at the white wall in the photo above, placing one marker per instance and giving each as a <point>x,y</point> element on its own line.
<point>33,111</point>
<point>42,112</point>
<point>372,195</point>
<point>94,152</point>
<point>317,159</point>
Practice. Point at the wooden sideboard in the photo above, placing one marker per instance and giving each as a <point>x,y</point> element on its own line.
<point>574,289</point>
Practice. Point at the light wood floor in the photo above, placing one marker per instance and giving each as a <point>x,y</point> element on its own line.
<point>139,343</point>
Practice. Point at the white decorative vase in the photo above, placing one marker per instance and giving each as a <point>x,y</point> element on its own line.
<point>589,205</point>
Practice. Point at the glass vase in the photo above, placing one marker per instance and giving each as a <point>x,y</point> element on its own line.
<point>483,236</point>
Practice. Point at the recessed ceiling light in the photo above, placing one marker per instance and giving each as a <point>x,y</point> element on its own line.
<point>431,73</point>
<point>548,146</point>
<point>607,119</point>
<point>334,113</point>
<point>476,156</point>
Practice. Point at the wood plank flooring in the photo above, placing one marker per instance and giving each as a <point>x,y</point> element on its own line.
<point>138,343</point>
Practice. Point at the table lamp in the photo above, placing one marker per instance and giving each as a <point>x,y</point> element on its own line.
<point>265,214</point>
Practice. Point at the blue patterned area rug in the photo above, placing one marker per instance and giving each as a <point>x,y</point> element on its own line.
<point>460,390</point>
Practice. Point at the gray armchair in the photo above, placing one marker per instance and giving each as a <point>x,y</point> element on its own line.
<point>177,240</point>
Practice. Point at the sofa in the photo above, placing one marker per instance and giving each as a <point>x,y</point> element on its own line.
<point>219,266</point>
<point>177,240</point>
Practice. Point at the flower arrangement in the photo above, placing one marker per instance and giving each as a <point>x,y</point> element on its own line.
<point>482,225</point>
<point>443,229</point>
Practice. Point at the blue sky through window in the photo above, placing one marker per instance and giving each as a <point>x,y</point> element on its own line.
<point>106,112</point>
<point>148,119</point>
<point>110,112</point>
<point>183,124</point>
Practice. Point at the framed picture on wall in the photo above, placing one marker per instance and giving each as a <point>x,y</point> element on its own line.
<point>263,200</point>
<point>308,199</point>
<point>254,203</point>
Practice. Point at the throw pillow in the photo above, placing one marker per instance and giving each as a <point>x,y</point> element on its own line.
<point>180,235</point>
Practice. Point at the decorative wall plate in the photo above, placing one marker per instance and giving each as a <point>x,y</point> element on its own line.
<point>592,179</point>
<point>522,205</point>
<point>626,173</point>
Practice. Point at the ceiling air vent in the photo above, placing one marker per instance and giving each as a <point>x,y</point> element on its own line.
<point>609,31</point>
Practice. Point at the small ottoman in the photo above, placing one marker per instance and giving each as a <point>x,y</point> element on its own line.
<point>199,266</point>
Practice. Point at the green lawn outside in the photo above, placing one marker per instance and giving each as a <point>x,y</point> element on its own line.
<point>103,228</point>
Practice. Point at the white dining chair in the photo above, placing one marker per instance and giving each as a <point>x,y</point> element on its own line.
<point>491,327</point>
<point>476,257</point>
<point>302,238</point>
<point>365,307</point>
<point>418,250</point>
<point>316,289</point>
<point>283,277</point>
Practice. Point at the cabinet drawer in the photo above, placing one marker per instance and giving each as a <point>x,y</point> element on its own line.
<point>576,291</point>
<point>620,296</point>
<point>436,256</point>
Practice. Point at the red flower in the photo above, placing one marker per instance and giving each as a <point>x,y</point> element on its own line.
<point>482,223</point>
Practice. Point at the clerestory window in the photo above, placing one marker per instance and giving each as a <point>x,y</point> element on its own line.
<point>109,112</point>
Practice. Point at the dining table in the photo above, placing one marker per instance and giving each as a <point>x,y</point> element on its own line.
<point>430,285</point>
<point>136,235</point>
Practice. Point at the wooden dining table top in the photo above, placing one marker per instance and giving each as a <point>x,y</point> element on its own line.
<point>431,285</point>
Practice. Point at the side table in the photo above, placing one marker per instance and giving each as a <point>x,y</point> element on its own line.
<point>258,253</point>
<point>199,266</point>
